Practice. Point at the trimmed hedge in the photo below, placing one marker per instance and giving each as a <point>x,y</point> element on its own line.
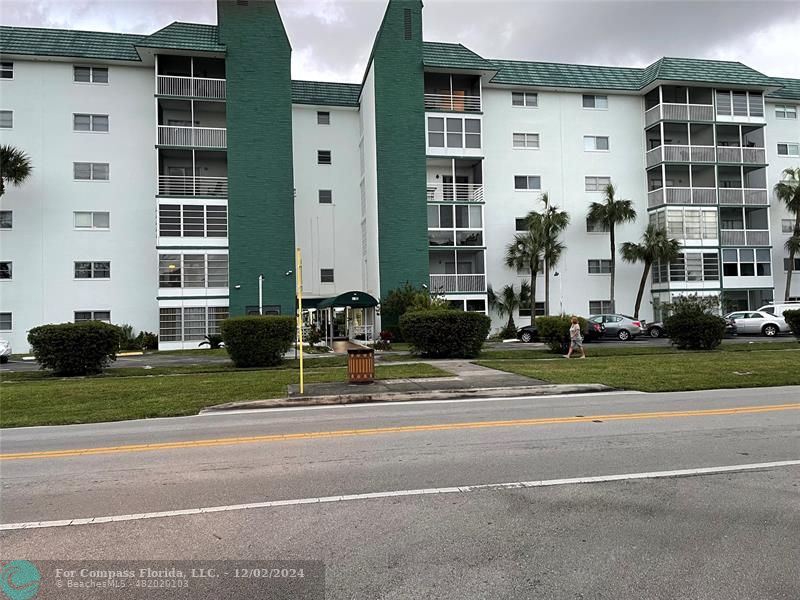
<point>793,320</point>
<point>445,333</point>
<point>258,341</point>
<point>554,331</point>
<point>695,330</point>
<point>71,349</point>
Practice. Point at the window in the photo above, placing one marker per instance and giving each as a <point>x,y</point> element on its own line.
<point>93,315</point>
<point>590,101</point>
<point>192,220</point>
<point>527,182</point>
<point>92,270</point>
<point>323,157</point>
<point>190,323</point>
<point>526,311</point>
<point>529,99</point>
<point>5,321</point>
<point>472,133</point>
<point>796,266</point>
<point>91,220</point>
<point>193,270</point>
<point>787,225</point>
<point>326,275</point>
<point>6,70</point>
<point>740,104</point>
<point>526,140</point>
<point>594,227</point>
<point>462,225</point>
<point>83,122</point>
<point>325,197</point>
<point>454,132</point>
<point>599,307</point>
<point>323,117</point>
<point>90,171</point>
<point>788,149</point>
<point>596,184</point>
<point>785,111</point>
<point>595,143</point>
<point>746,262</point>
<point>5,270</point>
<point>6,119</point>
<point>599,266</point>
<point>90,74</point>
<point>521,224</point>
<point>6,219</point>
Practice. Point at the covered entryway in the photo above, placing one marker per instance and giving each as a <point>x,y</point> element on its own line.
<point>349,316</point>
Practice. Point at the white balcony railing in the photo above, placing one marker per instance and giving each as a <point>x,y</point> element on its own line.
<point>682,195</point>
<point>191,87</point>
<point>736,154</point>
<point>743,196</point>
<point>441,284</point>
<point>744,237</point>
<point>455,192</point>
<point>192,137</point>
<point>670,111</point>
<point>452,102</point>
<point>680,153</point>
<point>175,185</point>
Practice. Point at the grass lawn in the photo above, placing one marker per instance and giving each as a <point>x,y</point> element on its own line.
<point>668,372</point>
<point>55,401</point>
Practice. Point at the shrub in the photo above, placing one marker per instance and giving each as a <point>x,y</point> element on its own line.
<point>147,340</point>
<point>694,329</point>
<point>258,341</point>
<point>445,333</point>
<point>793,320</point>
<point>71,349</point>
<point>213,341</point>
<point>314,336</point>
<point>554,331</point>
<point>127,341</point>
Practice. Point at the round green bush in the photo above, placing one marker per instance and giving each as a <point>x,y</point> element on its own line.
<point>445,333</point>
<point>793,320</point>
<point>258,341</point>
<point>554,331</point>
<point>695,330</point>
<point>71,349</point>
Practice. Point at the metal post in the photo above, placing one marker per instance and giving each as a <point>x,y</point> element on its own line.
<point>300,312</point>
<point>261,294</point>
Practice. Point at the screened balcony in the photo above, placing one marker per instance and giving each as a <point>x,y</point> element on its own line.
<point>746,226</point>
<point>192,173</point>
<point>680,142</point>
<point>455,180</point>
<point>678,103</point>
<point>191,124</point>
<point>457,271</point>
<point>740,144</point>
<point>681,184</point>
<point>452,93</point>
<point>742,185</point>
<point>191,77</point>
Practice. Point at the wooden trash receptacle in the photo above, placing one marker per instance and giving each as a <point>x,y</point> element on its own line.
<point>361,365</point>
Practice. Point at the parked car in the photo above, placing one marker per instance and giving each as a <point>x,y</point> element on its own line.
<point>654,330</point>
<point>758,322</point>
<point>777,309</point>
<point>621,327</point>
<point>528,333</point>
<point>730,327</point>
<point>5,351</point>
<point>594,331</point>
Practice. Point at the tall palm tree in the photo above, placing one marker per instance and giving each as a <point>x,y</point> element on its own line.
<point>554,222</point>
<point>508,301</point>
<point>788,191</point>
<point>15,167</point>
<point>527,252</point>
<point>610,213</point>
<point>656,246</point>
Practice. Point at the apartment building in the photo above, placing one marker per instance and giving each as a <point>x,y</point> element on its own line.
<point>176,173</point>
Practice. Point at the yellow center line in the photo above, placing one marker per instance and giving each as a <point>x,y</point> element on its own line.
<point>313,435</point>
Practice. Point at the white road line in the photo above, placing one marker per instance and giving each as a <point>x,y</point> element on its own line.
<point>398,493</point>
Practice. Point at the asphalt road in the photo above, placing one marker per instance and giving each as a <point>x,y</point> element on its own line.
<point>724,535</point>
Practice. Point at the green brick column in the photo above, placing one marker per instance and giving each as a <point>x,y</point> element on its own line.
<point>260,177</point>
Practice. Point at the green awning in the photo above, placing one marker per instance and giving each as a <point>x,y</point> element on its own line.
<point>351,299</point>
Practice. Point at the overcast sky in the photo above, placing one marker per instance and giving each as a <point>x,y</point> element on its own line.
<point>332,38</point>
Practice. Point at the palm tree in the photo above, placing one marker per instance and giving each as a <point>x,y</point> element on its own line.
<point>527,252</point>
<point>656,246</point>
<point>15,167</point>
<point>788,192</point>
<point>554,222</point>
<point>610,213</point>
<point>508,301</point>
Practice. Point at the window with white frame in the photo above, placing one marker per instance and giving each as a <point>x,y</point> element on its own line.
<point>84,171</point>
<point>690,223</point>
<point>454,132</point>
<point>324,157</point>
<point>323,117</point>
<point>6,219</point>
<point>92,269</point>
<point>206,270</point>
<point>529,99</point>
<point>595,101</point>
<point>91,220</point>
<point>599,266</point>
<point>458,225</point>
<point>103,316</point>
<point>521,224</point>
<point>192,220</point>
<point>787,226</point>
<point>599,307</point>
<point>689,266</point>
<point>746,262</point>
<point>86,122</point>
<point>6,119</point>
<point>89,74</point>
<point>6,322</point>
<point>326,276</point>
<point>527,182</point>
<point>787,149</point>
<point>525,311</point>
<point>796,266</point>
<point>740,103</point>
<point>595,143</point>
<point>6,269</point>
<point>190,323</point>
<point>596,227</point>
<point>526,140</point>
<point>325,196</point>
<point>592,183</point>
<point>6,70</point>
<point>785,111</point>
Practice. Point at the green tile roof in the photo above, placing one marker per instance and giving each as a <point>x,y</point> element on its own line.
<point>515,72</point>
<point>703,70</point>
<point>790,89</point>
<point>453,56</point>
<point>63,42</point>
<point>184,36</point>
<point>325,93</point>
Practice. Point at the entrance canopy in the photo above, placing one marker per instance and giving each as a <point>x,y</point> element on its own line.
<point>348,299</point>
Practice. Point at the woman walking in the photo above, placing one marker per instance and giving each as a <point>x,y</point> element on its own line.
<point>575,339</point>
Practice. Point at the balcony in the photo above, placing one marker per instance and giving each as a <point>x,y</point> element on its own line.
<point>682,195</point>
<point>182,186</point>
<point>744,237</point>
<point>191,87</point>
<point>680,153</point>
<point>192,137</point>
<point>443,284</point>
<point>455,192</point>
<point>745,155</point>
<point>452,102</point>
<point>668,111</point>
<point>743,196</point>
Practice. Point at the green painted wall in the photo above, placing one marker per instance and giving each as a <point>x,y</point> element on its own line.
<point>400,142</point>
<point>260,178</point>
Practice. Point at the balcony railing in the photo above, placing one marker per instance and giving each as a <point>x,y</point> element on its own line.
<point>440,284</point>
<point>455,192</point>
<point>178,185</point>
<point>192,137</point>
<point>191,87</point>
<point>452,102</point>
<point>736,154</point>
<point>678,112</point>
<point>682,195</point>
<point>743,196</point>
<point>744,237</point>
<point>680,153</point>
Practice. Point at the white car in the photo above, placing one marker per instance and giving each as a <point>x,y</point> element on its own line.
<point>5,351</point>
<point>756,321</point>
<point>778,309</point>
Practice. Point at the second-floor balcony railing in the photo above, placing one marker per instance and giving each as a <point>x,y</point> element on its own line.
<point>452,102</point>
<point>670,111</point>
<point>441,284</point>
<point>744,196</point>
<point>191,87</point>
<point>455,192</point>
<point>183,185</point>
<point>680,153</point>
<point>192,137</point>
<point>736,154</point>
<point>744,237</point>
<point>682,195</point>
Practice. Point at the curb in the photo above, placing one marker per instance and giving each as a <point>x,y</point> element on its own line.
<point>360,398</point>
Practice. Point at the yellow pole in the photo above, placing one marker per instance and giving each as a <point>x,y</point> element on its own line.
<point>300,312</point>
